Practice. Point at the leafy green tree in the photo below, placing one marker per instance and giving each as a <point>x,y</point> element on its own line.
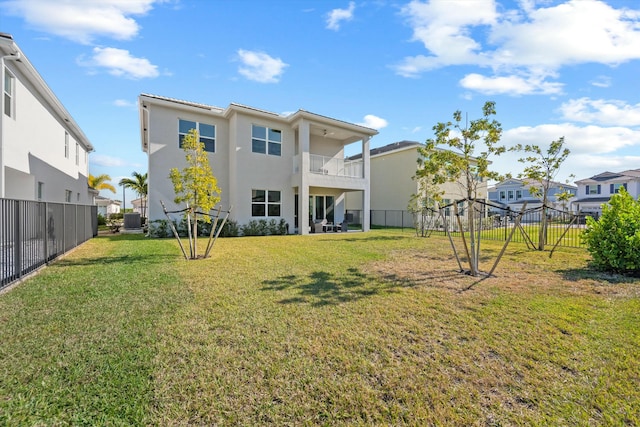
<point>455,155</point>
<point>614,240</point>
<point>542,168</point>
<point>100,182</point>
<point>196,186</point>
<point>140,186</point>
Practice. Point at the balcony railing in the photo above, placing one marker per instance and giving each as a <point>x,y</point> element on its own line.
<point>331,166</point>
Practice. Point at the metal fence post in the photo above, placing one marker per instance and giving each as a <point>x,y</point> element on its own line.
<point>17,252</point>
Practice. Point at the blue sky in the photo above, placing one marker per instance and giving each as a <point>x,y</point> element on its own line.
<point>554,68</point>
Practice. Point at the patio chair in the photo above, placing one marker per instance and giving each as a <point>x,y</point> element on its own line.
<point>319,225</point>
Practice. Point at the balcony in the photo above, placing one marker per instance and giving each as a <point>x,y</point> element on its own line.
<point>331,166</point>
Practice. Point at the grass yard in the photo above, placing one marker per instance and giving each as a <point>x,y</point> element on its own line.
<point>370,328</point>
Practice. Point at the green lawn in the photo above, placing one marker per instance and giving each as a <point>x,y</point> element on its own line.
<point>331,329</point>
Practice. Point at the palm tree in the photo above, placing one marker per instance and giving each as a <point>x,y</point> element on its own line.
<point>139,185</point>
<point>100,182</point>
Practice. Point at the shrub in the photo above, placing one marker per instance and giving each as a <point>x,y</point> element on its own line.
<point>614,240</point>
<point>102,220</point>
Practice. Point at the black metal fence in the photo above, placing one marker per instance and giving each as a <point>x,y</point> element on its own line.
<point>563,228</point>
<point>34,233</point>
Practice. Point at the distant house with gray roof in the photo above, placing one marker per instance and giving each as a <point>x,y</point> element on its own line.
<point>595,191</point>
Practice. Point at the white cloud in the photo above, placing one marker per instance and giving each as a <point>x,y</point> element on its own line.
<point>106,161</point>
<point>374,122</point>
<point>119,62</point>
<point>580,140</point>
<point>601,111</point>
<point>260,67</point>
<point>602,81</point>
<point>82,20</point>
<point>124,103</point>
<point>336,16</point>
<point>525,41</point>
<point>510,85</point>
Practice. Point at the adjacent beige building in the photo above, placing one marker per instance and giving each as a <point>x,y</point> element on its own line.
<point>393,168</point>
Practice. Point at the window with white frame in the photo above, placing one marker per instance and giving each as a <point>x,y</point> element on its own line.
<point>510,194</point>
<point>206,133</point>
<point>67,196</point>
<point>518,194</point>
<point>593,189</point>
<point>265,140</point>
<point>77,154</point>
<point>265,203</point>
<point>66,145</point>
<point>615,188</point>
<point>503,195</point>
<point>8,93</point>
<point>40,190</point>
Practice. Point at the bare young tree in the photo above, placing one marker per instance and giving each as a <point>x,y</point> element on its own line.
<point>460,153</point>
<point>542,168</point>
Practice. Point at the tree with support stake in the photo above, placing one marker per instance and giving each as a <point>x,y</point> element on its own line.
<point>542,167</point>
<point>459,162</point>
<point>197,188</point>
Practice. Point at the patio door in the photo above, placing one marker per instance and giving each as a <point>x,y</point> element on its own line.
<point>321,207</point>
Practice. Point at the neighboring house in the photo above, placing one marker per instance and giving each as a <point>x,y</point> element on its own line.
<point>106,206</point>
<point>513,193</point>
<point>44,155</point>
<point>595,191</point>
<point>140,206</point>
<point>393,167</point>
<point>268,166</point>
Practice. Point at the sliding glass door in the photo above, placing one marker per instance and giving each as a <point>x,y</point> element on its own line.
<point>321,207</point>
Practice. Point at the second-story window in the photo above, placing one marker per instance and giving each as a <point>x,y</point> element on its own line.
<point>593,189</point>
<point>77,154</point>
<point>206,133</point>
<point>66,145</point>
<point>265,140</point>
<point>8,93</point>
<point>615,188</point>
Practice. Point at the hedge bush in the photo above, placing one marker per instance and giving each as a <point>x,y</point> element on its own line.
<point>614,240</point>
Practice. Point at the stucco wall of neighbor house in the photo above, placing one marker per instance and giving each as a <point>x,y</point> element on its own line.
<point>33,149</point>
<point>391,179</point>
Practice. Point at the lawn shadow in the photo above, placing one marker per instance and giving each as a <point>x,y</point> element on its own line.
<point>321,288</point>
<point>573,274</point>
<point>146,259</point>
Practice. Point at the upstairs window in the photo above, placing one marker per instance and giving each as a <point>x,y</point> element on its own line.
<point>67,196</point>
<point>593,189</point>
<point>503,195</point>
<point>8,93</point>
<point>66,145</point>
<point>615,188</point>
<point>265,140</point>
<point>206,132</point>
<point>518,194</point>
<point>77,154</point>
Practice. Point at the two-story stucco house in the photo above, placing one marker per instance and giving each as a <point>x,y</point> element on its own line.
<point>44,155</point>
<point>513,193</point>
<point>268,166</point>
<point>595,191</point>
<point>393,168</point>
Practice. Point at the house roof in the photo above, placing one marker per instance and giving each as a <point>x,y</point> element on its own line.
<point>531,182</point>
<point>321,125</point>
<point>591,199</point>
<point>8,47</point>
<point>389,148</point>
<point>607,176</point>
